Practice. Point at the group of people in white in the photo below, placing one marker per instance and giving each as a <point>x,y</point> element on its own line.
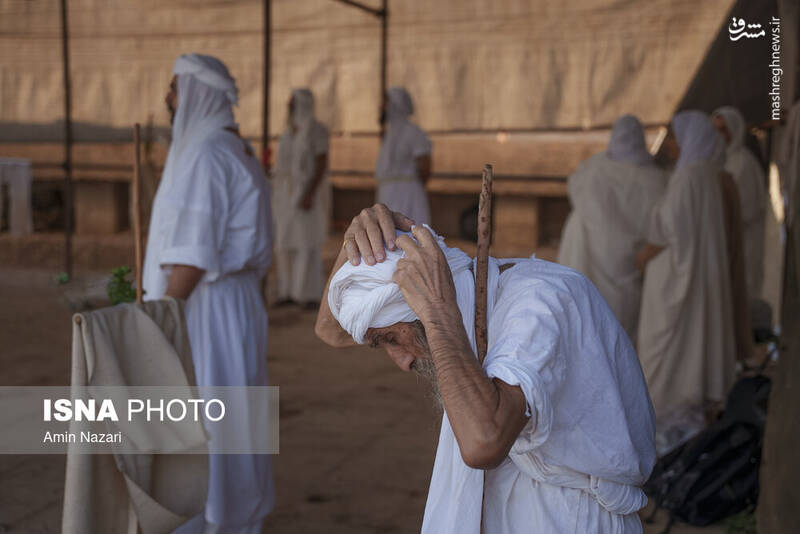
<point>302,194</point>
<point>677,254</point>
<point>554,431</point>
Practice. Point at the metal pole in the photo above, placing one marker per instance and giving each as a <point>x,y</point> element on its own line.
<point>384,36</point>
<point>266,77</point>
<point>68,207</point>
<point>137,212</point>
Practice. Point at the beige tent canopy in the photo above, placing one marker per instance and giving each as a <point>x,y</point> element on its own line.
<point>472,66</point>
<point>530,86</point>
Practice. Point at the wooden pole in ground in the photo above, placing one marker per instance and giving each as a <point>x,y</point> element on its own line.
<point>482,263</point>
<point>137,212</point>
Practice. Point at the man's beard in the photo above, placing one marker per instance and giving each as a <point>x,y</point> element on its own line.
<point>424,367</point>
<point>171,115</point>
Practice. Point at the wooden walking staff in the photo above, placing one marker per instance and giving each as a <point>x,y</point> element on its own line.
<point>137,213</point>
<point>482,263</point>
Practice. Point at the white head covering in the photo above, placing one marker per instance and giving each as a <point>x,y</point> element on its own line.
<point>734,121</point>
<point>399,107</point>
<point>206,94</point>
<point>698,139</point>
<point>303,110</point>
<point>627,142</point>
<point>398,104</point>
<point>209,70</point>
<point>363,296</point>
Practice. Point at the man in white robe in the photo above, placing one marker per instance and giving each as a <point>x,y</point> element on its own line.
<point>210,242</point>
<point>553,432</point>
<point>751,183</point>
<point>301,203</point>
<point>686,339</point>
<point>612,196</point>
<point>404,162</point>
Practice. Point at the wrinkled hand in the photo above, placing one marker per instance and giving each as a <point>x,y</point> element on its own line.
<point>424,278</point>
<point>368,232</point>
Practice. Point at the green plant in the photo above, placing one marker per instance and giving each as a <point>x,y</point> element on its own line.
<point>120,288</point>
<point>741,523</point>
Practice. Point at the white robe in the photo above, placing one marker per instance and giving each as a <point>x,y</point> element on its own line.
<point>577,465</point>
<point>742,164</point>
<point>750,181</point>
<point>399,185</point>
<point>300,234</point>
<point>612,202</point>
<point>213,212</point>
<point>685,340</point>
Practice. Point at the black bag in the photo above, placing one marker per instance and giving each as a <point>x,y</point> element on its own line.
<point>715,474</point>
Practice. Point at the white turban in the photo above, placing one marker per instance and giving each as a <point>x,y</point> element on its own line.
<point>363,296</point>
<point>209,70</point>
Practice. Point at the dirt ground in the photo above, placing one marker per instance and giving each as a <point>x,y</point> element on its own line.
<point>357,441</point>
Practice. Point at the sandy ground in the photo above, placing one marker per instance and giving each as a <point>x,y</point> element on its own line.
<point>357,441</point>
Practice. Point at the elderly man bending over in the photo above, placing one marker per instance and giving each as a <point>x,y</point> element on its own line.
<point>554,432</point>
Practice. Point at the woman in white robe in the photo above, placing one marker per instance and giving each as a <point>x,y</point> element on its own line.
<point>686,340</point>
<point>751,183</point>
<point>612,196</point>
<point>400,185</point>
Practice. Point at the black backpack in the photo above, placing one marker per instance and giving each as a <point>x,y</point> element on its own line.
<point>715,474</point>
